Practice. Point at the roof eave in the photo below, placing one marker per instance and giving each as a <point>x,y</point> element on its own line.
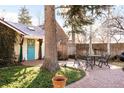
<point>12,27</point>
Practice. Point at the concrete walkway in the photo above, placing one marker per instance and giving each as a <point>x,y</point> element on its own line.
<point>101,78</point>
<point>33,63</point>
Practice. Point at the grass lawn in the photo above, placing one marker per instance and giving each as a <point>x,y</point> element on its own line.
<point>119,63</point>
<point>33,77</point>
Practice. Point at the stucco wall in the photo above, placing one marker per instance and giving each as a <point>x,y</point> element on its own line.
<point>71,49</point>
<point>17,49</point>
<point>25,49</point>
<point>62,48</point>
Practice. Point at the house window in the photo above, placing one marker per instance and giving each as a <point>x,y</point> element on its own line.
<point>31,42</point>
<point>31,28</point>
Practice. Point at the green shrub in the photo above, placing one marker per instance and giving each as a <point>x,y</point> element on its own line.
<point>62,56</point>
<point>7,41</point>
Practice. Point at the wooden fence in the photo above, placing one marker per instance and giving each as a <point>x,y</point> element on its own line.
<point>100,48</point>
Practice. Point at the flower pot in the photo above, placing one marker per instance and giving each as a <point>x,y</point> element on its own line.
<point>59,81</point>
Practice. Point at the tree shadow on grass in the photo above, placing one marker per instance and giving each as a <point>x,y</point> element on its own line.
<point>42,80</point>
<point>11,74</point>
<point>72,74</point>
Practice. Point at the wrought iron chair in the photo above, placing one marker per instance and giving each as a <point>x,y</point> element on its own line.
<point>76,61</point>
<point>104,60</point>
<point>89,62</point>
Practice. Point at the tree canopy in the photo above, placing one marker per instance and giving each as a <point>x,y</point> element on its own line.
<point>24,17</point>
<point>77,16</point>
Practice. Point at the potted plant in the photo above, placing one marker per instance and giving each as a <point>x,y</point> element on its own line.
<point>59,81</point>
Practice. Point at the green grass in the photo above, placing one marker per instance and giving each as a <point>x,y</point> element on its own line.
<point>119,63</point>
<point>33,77</point>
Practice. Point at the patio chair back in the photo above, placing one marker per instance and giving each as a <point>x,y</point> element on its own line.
<point>89,62</point>
<point>104,60</point>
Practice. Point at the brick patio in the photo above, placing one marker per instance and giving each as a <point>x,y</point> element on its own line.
<point>32,63</point>
<point>101,78</point>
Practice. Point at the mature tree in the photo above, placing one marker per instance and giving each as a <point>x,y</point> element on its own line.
<point>115,28</point>
<point>51,63</point>
<point>24,17</point>
<point>77,16</point>
<point>114,25</point>
<point>102,35</point>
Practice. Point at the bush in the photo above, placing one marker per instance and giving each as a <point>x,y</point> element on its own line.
<point>7,41</point>
<point>72,56</point>
<point>62,56</point>
<point>77,57</point>
<point>115,58</point>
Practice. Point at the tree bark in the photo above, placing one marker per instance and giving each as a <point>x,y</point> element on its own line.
<point>51,63</point>
<point>73,35</point>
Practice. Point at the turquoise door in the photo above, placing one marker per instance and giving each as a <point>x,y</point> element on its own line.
<point>30,49</point>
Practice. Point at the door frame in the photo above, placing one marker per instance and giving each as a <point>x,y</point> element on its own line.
<point>29,41</point>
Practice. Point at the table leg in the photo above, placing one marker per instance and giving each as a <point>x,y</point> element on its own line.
<point>94,61</point>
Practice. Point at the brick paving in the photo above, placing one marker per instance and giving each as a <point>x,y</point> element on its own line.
<point>101,78</point>
<point>33,63</point>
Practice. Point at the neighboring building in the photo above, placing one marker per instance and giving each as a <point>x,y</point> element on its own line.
<point>32,39</point>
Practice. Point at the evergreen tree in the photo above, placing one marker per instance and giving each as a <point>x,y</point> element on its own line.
<point>77,16</point>
<point>24,17</point>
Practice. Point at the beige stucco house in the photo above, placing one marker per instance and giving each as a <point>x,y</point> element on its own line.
<point>32,40</point>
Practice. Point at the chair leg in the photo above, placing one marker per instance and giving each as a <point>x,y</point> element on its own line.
<point>107,64</point>
<point>86,66</point>
<point>91,66</point>
<point>74,62</point>
<point>79,63</point>
<point>65,65</point>
<point>101,64</point>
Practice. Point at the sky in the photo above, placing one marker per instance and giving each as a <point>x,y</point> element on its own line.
<point>10,13</point>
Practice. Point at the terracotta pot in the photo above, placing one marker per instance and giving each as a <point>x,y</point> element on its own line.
<point>59,81</point>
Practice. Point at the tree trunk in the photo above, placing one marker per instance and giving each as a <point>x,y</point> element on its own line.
<point>73,35</point>
<point>51,63</point>
<point>90,43</point>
